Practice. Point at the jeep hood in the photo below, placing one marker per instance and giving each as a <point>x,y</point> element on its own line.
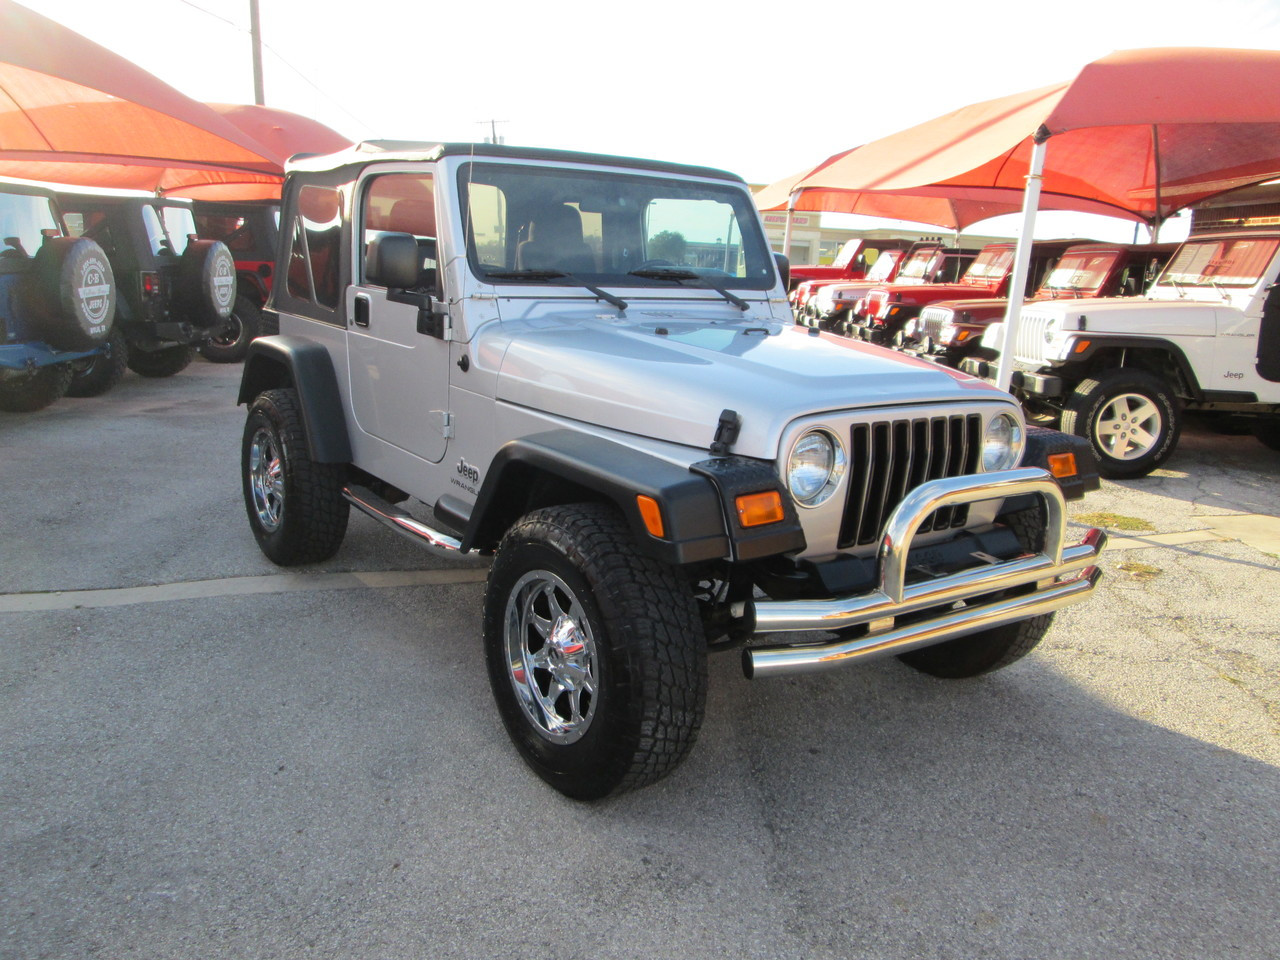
<point>670,379</point>
<point>1130,315</point>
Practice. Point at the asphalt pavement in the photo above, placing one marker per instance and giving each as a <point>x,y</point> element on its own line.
<point>205,756</point>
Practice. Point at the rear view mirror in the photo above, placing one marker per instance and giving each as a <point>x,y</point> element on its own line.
<point>784,268</point>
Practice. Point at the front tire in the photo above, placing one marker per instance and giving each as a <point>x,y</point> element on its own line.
<point>596,653</point>
<point>295,505</point>
<point>1130,418</point>
<point>165,362</point>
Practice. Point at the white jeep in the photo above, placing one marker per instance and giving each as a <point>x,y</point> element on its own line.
<point>1205,337</point>
<point>586,367</point>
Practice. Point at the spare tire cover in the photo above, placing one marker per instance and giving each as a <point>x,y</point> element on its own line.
<point>76,293</point>
<point>206,283</point>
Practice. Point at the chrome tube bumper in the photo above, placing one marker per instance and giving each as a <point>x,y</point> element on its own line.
<point>1063,575</point>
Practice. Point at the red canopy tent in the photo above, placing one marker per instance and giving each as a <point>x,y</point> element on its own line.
<point>1144,132</point>
<point>954,209</point>
<point>73,112</point>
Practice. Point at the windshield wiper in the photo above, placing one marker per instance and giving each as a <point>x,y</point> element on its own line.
<point>532,274</point>
<point>679,275</point>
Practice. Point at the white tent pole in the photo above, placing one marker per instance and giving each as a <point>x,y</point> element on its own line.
<point>1021,260</point>
<point>786,234</point>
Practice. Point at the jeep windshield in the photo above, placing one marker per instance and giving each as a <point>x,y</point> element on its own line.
<point>1225,262</point>
<point>534,223</point>
<point>918,266</point>
<point>991,266</point>
<point>1080,273</point>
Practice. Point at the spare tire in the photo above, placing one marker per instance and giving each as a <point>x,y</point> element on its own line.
<point>206,284</point>
<point>75,293</point>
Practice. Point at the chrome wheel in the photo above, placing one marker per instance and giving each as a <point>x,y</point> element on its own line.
<point>266,479</point>
<point>1128,426</point>
<point>551,656</point>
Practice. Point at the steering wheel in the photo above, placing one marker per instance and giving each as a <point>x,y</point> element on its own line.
<point>650,264</point>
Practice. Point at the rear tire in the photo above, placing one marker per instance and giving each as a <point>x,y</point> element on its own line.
<point>596,653</point>
<point>165,362</point>
<point>28,391</point>
<point>1268,433</point>
<point>97,374</point>
<point>295,505</point>
<point>230,344</point>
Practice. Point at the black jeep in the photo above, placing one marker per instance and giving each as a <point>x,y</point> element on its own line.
<point>175,290</point>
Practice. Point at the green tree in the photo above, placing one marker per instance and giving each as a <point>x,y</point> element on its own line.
<point>667,245</point>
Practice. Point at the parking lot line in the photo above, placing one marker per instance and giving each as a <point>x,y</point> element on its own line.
<point>232,586</point>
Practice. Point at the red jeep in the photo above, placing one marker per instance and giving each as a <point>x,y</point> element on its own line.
<point>887,309</point>
<point>851,263</point>
<point>814,308</point>
<point>949,330</point>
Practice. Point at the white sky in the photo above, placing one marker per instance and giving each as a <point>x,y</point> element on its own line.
<point>736,86</point>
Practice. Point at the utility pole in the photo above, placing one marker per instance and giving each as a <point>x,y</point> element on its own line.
<point>255,38</point>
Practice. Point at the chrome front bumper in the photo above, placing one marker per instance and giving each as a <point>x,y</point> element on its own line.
<point>1062,575</point>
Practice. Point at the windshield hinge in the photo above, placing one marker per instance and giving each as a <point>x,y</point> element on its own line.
<point>726,432</point>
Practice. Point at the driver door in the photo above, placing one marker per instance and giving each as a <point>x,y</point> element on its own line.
<point>399,371</point>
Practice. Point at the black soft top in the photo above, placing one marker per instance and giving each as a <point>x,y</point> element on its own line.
<point>382,150</point>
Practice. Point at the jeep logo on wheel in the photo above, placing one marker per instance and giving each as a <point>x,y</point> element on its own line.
<point>224,281</point>
<point>94,290</point>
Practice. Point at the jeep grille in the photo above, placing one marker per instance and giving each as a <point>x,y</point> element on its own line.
<point>931,321</point>
<point>889,458</point>
<point>1030,343</point>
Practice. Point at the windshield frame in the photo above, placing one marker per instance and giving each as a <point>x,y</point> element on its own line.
<point>622,217</point>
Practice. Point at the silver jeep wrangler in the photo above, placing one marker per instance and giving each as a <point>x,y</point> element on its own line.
<point>586,367</point>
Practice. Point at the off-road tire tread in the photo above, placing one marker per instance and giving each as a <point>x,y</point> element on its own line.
<point>107,370</point>
<point>650,617</point>
<point>250,318</point>
<point>315,512</point>
<point>37,390</point>
<point>165,362</point>
<point>1076,416</point>
<point>992,649</point>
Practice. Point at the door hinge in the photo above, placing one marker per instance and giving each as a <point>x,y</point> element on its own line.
<point>447,425</point>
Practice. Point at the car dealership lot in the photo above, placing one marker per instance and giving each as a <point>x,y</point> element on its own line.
<point>206,756</point>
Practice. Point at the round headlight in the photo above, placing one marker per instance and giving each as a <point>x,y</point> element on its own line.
<point>947,332</point>
<point>1002,444</point>
<point>815,467</point>
<point>912,326</point>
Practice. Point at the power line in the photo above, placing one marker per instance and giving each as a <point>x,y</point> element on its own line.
<point>275,53</point>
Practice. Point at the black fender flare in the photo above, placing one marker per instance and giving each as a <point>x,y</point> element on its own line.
<point>692,500</point>
<point>304,365</point>
<point>1101,343</point>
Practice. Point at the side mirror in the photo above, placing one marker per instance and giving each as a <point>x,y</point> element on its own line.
<point>784,268</point>
<point>392,261</point>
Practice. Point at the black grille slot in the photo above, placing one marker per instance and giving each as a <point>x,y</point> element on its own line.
<point>889,458</point>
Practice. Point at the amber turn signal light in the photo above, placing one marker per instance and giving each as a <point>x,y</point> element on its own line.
<point>651,514</point>
<point>1062,464</point>
<point>757,509</point>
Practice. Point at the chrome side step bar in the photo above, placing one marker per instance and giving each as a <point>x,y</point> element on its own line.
<point>410,527</point>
